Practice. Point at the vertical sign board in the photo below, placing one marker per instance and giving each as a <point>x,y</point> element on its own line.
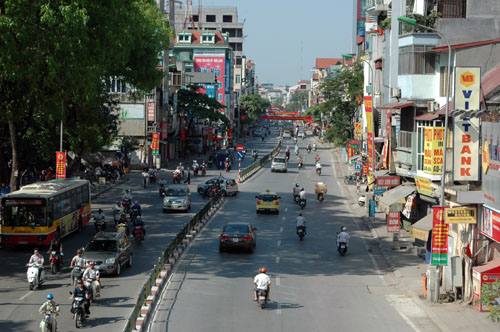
<point>393,221</point>
<point>60,165</point>
<point>357,130</point>
<point>466,149</point>
<point>371,212</point>
<point>433,149</point>
<point>155,145</point>
<point>467,88</point>
<point>387,141</point>
<point>151,111</point>
<point>369,135</point>
<point>439,247</point>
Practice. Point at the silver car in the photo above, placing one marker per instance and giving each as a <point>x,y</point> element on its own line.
<point>177,197</point>
<point>109,251</point>
<point>279,164</point>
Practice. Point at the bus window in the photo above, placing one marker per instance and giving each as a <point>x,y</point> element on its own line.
<point>78,197</point>
<point>24,213</point>
<point>57,207</point>
<point>73,199</point>
<point>85,195</point>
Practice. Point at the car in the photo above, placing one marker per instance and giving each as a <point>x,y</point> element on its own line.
<point>110,251</point>
<point>229,186</point>
<point>301,134</point>
<point>268,201</point>
<point>177,197</point>
<point>257,133</point>
<point>279,164</point>
<point>238,235</point>
<point>287,134</point>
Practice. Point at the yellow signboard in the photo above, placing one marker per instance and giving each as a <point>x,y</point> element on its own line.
<point>423,186</point>
<point>460,216</point>
<point>433,149</point>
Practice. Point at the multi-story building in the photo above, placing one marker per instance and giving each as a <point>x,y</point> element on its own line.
<point>323,68</point>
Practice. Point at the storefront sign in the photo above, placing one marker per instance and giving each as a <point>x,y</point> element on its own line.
<point>423,186</point>
<point>393,222</point>
<point>467,88</point>
<point>132,111</point>
<point>151,111</point>
<point>155,145</point>
<point>386,153</point>
<point>388,181</point>
<point>60,165</point>
<point>466,150</point>
<point>490,223</point>
<point>357,130</point>
<point>490,180</point>
<point>369,135</point>
<point>379,190</point>
<point>439,248</point>
<point>460,215</point>
<point>433,149</point>
<point>353,148</point>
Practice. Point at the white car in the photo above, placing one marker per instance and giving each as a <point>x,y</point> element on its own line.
<point>177,197</point>
<point>287,134</point>
<point>301,134</point>
<point>279,164</point>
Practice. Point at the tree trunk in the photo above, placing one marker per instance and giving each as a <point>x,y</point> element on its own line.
<point>14,175</point>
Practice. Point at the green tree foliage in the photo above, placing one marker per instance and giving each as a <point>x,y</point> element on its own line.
<point>490,295</point>
<point>253,106</point>
<point>342,94</point>
<point>315,112</point>
<point>200,105</point>
<point>297,101</point>
<point>61,54</point>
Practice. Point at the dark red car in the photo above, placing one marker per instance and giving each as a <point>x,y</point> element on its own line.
<point>237,235</point>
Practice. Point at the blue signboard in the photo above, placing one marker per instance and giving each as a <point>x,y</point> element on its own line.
<point>358,167</point>
<point>240,154</point>
<point>227,78</point>
<point>372,208</point>
<point>380,191</point>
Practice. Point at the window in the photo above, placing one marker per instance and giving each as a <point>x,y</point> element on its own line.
<point>416,60</point>
<point>227,18</point>
<point>210,18</point>
<point>239,33</point>
<point>184,37</point>
<point>207,38</point>
<point>195,18</point>
<point>238,61</point>
<point>443,81</point>
<point>237,79</point>
<point>117,86</point>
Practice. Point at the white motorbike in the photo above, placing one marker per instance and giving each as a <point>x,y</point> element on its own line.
<point>32,274</point>
<point>49,322</point>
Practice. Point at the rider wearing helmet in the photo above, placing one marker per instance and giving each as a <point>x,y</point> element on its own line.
<point>296,190</point>
<point>343,236</point>
<point>301,222</point>
<point>127,195</point>
<point>83,292</point>
<point>92,275</point>
<point>262,281</point>
<point>49,306</point>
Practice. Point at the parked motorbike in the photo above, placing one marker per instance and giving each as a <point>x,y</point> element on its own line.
<point>262,295</point>
<point>49,323</point>
<point>301,233</point>
<point>56,261</point>
<point>78,308</point>
<point>302,204</point>
<point>32,275</point>
<point>138,234</point>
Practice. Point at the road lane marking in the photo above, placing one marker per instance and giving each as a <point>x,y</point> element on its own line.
<point>278,281</point>
<point>283,218</point>
<point>278,312</point>
<point>281,229</point>
<point>25,295</point>
<point>279,243</point>
<point>286,209</point>
<point>277,260</point>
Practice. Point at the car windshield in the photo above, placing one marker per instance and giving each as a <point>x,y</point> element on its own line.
<point>268,197</point>
<point>101,245</point>
<point>176,192</point>
<point>236,229</point>
<point>279,160</point>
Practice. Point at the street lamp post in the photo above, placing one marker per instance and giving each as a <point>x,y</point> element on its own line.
<point>410,21</point>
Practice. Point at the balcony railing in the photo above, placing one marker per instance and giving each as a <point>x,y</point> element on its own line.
<point>452,8</point>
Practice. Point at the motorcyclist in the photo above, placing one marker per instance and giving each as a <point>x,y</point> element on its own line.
<point>302,195</point>
<point>343,236</point>
<point>318,166</point>
<point>227,165</point>
<point>296,191</point>
<point>181,169</point>
<point>37,258</point>
<point>99,218</point>
<point>287,154</point>
<point>255,154</point>
<point>177,173</point>
<point>262,281</point>
<point>296,149</point>
<point>139,222</point>
<point>117,211</point>
<point>195,167</point>
<point>309,147</point>
<point>56,246</point>
<point>122,225</point>
<point>301,222</point>
<point>77,261</point>
<point>92,274</point>
<point>314,146</point>
<point>127,196</point>
<point>83,292</point>
<point>316,158</point>
<point>300,161</point>
<point>50,306</point>
<point>136,209</point>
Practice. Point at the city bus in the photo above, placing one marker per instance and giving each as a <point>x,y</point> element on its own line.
<point>38,212</point>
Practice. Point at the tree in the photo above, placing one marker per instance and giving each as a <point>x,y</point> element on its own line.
<point>342,94</point>
<point>297,101</point>
<point>314,111</point>
<point>254,106</point>
<point>56,61</point>
<point>490,296</point>
<point>200,105</point>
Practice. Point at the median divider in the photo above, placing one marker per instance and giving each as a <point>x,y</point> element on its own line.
<point>149,295</point>
<point>256,165</point>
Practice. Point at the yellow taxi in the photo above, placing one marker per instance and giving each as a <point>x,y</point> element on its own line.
<point>268,201</point>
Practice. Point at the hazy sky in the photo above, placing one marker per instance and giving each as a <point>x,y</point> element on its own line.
<point>279,31</point>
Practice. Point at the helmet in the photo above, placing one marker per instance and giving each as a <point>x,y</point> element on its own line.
<point>118,202</point>
<point>50,296</point>
<point>79,281</point>
<point>296,185</point>
<point>136,202</point>
<point>128,191</point>
<point>343,229</point>
<point>301,189</point>
<point>79,251</point>
<point>100,210</point>
<point>263,270</point>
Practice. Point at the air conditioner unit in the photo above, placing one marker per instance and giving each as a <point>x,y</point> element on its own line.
<point>395,93</point>
<point>432,106</point>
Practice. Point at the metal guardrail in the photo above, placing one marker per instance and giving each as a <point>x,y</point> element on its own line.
<point>256,165</point>
<point>164,259</point>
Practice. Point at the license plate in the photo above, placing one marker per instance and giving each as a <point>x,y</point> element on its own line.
<point>300,230</point>
<point>342,246</point>
<point>235,239</point>
<point>268,203</point>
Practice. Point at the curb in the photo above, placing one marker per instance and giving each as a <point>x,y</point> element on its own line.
<point>121,181</point>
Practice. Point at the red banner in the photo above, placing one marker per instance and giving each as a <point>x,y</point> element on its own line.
<point>439,248</point>
<point>276,117</point>
<point>155,146</point>
<point>151,111</point>
<point>283,113</point>
<point>393,223</point>
<point>230,133</point>
<point>60,165</point>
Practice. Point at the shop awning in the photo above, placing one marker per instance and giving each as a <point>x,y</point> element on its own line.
<point>427,117</point>
<point>394,195</point>
<point>394,106</point>
<point>420,229</point>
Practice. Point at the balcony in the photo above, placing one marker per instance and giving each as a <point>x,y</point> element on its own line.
<point>376,7</point>
<point>406,154</point>
<point>453,8</point>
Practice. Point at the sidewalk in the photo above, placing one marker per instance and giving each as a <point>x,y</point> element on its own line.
<point>406,268</point>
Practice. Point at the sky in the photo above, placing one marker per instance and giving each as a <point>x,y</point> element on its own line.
<point>286,36</point>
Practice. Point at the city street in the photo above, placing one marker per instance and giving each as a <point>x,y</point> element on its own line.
<point>118,295</point>
<point>313,287</point>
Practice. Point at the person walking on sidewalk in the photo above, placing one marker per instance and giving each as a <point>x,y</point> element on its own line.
<point>188,178</point>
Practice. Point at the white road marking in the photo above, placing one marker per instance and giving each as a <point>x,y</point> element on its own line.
<point>278,312</point>
<point>286,209</point>
<point>277,260</point>
<point>283,218</point>
<point>279,243</point>
<point>281,229</point>
<point>25,295</point>
<point>278,281</point>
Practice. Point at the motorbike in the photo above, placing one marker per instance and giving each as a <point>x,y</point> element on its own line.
<point>32,275</point>
<point>203,170</point>
<point>299,164</point>
<point>195,169</point>
<point>301,233</point>
<point>177,177</point>
<point>134,213</point>
<point>362,200</point>
<point>49,323</point>
<point>262,295</point>
<point>350,179</point>
<point>296,199</point>
<point>100,225</point>
<point>297,151</point>
<point>78,308</point>
<point>308,150</point>
<point>318,169</point>
<point>138,234</point>
<point>314,147</point>
<point>302,204</point>
<point>126,205</point>
<point>55,261</point>
<point>342,248</point>
<point>228,167</point>
<point>76,274</point>
<point>162,190</point>
<point>89,283</point>
<point>321,197</point>
<point>255,156</point>
<point>145,179</point>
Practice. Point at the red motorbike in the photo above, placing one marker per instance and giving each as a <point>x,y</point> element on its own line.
<point>177,177</point>
<point>139,234</point>
<point>56,261</point>
<point>203,170</point>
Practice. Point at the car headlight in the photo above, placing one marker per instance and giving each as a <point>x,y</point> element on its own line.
<point>110,260</point>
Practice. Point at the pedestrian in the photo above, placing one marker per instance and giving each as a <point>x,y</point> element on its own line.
<point>43,175</point>
<point>48,175</point>
<point>188,179</point>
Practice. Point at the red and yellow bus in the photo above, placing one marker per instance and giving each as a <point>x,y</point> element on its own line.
<point>37,213</point>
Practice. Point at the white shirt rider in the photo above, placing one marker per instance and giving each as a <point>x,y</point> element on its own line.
<point>78,261</point>
<point>302,194</point>
<point>127,196</point>
<point>301,221</point>
<point>296,190</point>
<point>91,274</point>
<point>343,237</point>
<point>261,281</point>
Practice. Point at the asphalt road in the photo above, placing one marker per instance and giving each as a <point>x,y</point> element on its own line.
<point>314,288</point>
<point>19,306</point>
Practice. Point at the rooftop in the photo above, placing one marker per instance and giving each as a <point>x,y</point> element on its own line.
<point>324,63</point>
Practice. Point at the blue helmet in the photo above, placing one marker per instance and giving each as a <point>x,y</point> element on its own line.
<point>50,296</point>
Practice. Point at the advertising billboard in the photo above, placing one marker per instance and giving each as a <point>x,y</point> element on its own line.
<point>490,223</point>
<point>439,248</point>
<point>466,149</point>
<point>212,62</point>
<point>369,135</point>
<point>467,88</point>
<point>490,135</point>
<point>433,149</point>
